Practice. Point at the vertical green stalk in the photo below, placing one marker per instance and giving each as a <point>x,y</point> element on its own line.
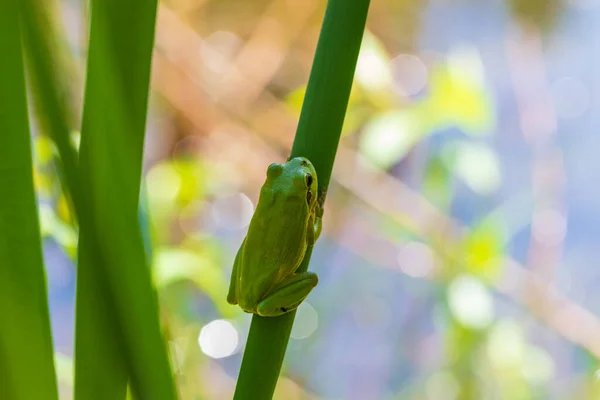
<point>122,32</point>
<point>26,354</point>
<point>106,173</point>
<point>317,139</point>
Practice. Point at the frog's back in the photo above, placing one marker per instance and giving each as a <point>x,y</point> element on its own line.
<point>274,247</point>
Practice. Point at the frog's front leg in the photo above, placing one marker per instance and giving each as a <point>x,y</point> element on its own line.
<point>288,294</point>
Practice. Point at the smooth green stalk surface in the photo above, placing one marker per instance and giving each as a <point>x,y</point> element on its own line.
<point>115,243</point>
<point>26,355</point>
<point>317,139</point>
<point>127,30</point>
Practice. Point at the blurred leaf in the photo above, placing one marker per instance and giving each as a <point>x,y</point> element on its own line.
<point>63,210</point>
<point>521,369</point>
<point>458,96</point>
<point>175,264</point>
<point>75,139</point>
<point>44,149</point>
<point>476,164</point>
<point>442,384</point>
<point>373,71</point>
<point>43,184</point>
<point>164,182</point>
<point>64,369</point>
<point>192,186</point>
<point>484,250</point>
<point>26,354</point>
<point>388,137</point>
<point>294,99</point>
<point>64,234</point>
<point>542,14</point>
<point>44,167</point>
<point>45,56</point>
<point>437,183</point>
<point>357,115</point>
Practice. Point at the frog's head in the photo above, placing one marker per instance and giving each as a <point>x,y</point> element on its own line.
<point>297,176</point>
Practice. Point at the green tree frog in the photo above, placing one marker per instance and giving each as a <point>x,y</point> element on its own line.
<point>287,220</point>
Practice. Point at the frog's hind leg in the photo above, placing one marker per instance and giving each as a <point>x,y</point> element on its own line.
<point>232,297</point>
<point>288,294</point>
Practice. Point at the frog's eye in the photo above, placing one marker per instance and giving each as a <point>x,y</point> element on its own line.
<point>309,180</point>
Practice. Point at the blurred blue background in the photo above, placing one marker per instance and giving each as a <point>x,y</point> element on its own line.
<point>459,254</point>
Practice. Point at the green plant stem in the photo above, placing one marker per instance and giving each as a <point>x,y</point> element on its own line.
<point>112,229</point>
<point>26,354</point>
<point>121,41</point>
<point>317,138</point>
<point>100,366</point>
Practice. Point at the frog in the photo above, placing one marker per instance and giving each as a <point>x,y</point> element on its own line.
<point>287,221</point>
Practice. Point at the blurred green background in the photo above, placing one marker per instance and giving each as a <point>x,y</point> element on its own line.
<point>459,252</point>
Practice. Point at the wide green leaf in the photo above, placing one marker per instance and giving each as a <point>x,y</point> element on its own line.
<point>26,355</point>
<point>112,141</point>
<point>103,186</point>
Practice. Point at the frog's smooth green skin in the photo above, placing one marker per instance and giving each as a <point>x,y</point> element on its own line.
<point>287,220</point>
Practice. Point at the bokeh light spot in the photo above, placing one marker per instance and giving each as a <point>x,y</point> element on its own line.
<point>465,65</point>
<point>306,322</point>
<point>479,166</point>
<point>218,48</point>
<point>506,345</point>
<point>409,73</point>
<point>388,137</point>
<point>470,302</point>
<point>416,260</point>
<point>442,385</point>
<point>538,366</point>
<point>193,219</point>
<point>163,183</point>
<point>233,211</point>
<point>549,226</point>
<point>372,66</point>
<point>218,339</point>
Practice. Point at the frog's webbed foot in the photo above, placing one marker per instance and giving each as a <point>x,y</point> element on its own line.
<point>288,295</point>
